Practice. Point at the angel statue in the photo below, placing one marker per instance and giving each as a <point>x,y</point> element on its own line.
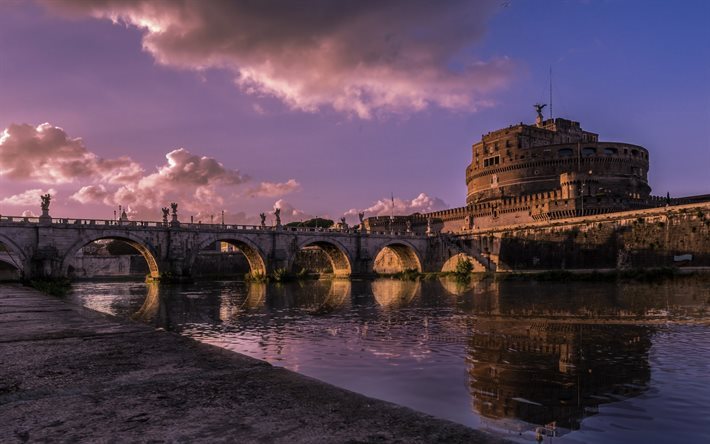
<point>263,219</point>
<point>174,206</point>
<point>361,215</point>
<point>46,199</point>
<point>166,212</point>
<point>277,213</point>
<point>538,107</point>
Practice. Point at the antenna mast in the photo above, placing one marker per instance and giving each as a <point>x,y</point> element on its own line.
<point>551,92</point>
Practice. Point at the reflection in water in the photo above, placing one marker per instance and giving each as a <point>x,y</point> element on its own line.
<point>394,293</point>
<point>540,372</point>
<point>508,355</point>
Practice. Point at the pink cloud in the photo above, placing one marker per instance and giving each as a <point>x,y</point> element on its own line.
<point>29,197</point>
<point>274,189</point>
<point>47,154</point>
<point>289,213</point>
<point>423,203</point>
<point>91,193</point>
<point>361,58</point>
<point>198,183</point>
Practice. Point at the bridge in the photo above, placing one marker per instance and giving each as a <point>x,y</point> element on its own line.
<point>46,247</point>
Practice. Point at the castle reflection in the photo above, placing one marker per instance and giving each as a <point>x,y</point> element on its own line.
<point>540,372</point>
<point>556,352</point>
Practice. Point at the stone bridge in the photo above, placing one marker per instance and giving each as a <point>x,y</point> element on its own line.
<point>46,247</point>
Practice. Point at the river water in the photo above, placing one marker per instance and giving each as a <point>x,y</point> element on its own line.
<point>606,362</point>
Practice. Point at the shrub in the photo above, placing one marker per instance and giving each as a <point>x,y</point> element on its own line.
<point>464,267</point>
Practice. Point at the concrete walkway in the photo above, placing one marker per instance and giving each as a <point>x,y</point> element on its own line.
<point>69,374</point>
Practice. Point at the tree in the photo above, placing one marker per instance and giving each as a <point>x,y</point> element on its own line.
<point>312,223</point>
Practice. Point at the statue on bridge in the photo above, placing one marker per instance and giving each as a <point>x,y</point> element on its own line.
<point>277,214</point>
<point>263,219</point>
<point>343,224</point>
<point>166,213</point>
<point>174,221</point>
<point>361,216</point>
<point>46,199</point>
<point>45,218</point>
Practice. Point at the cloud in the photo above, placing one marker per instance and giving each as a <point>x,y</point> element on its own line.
<point>384,207</point>
<point>29,197</point>
<point>357,56</point>
<point>91,193</point>
<point>46,154</point>
<point>274,189</point>
<point>195,182</point>
<point>289,213</point>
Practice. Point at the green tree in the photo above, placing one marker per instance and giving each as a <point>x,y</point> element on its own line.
<point>313,223</point>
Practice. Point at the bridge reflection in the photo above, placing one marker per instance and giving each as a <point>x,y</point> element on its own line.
<point>532,353</point>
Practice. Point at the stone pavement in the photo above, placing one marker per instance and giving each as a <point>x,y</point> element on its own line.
<point>70,374</point>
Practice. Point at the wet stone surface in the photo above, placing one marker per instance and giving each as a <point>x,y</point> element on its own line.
<point>69,374</point>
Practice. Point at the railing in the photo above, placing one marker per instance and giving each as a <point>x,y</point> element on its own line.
<point>140,224</point>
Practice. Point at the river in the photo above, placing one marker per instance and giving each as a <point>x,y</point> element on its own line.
<point>600,362</point>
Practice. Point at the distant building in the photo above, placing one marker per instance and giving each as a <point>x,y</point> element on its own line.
<point>550,170</point>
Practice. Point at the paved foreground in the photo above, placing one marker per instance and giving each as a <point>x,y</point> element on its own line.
<point>71,374</point>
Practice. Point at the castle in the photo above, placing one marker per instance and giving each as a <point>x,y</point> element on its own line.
<point>550,170</point>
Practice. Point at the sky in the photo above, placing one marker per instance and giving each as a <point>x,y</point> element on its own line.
<point>326,108</point>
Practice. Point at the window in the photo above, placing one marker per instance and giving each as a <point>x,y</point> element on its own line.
<point>589,151</point>
<point>495,160</point>
<point>565,152</point>
<point>610,151</point>
<point>634,153</point>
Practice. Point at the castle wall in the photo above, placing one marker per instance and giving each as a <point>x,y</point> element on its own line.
<point>662,237</point>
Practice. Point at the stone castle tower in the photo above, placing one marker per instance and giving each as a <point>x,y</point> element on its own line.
<point>552,169</point>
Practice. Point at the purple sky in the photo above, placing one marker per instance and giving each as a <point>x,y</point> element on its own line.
<point>328,109</point>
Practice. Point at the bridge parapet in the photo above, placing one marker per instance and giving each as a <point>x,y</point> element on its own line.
<point>46,247</point>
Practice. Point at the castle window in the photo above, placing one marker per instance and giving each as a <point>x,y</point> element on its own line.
<point>634,153</point>
<point>610,151</point>
<point>589,151</point>
<point>565,152</point>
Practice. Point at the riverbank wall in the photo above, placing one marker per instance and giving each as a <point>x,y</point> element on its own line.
<point>675,236</point>
<point>70,374</point>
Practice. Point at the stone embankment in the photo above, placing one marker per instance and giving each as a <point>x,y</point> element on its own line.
<point>70,374</point>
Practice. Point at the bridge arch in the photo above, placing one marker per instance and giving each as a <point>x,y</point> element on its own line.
<point>13,255</point>
<point>141,245</point>
<point>252,252</point>
<point>338,255</point>
<point>452,262</point>
<point>405,253</point>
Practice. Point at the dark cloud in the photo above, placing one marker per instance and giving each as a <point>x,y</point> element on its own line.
<point>357,56</point>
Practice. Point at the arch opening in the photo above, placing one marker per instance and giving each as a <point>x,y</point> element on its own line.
<point>396,258</point>
<point>228,256</point>
<point>321,257</point>
<point>9,270</point>
<point>12,260</point>
<point>110,256</point>
<point>452,262</point>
